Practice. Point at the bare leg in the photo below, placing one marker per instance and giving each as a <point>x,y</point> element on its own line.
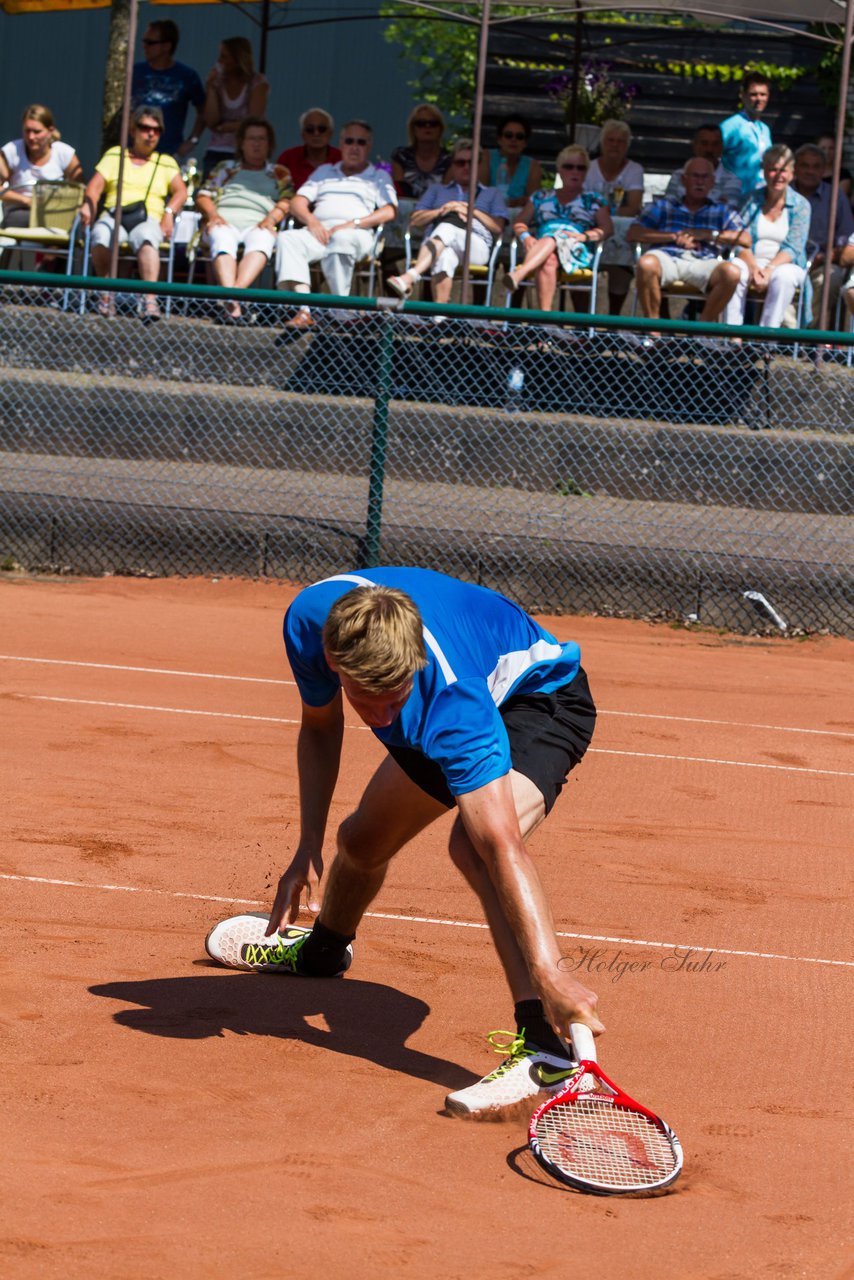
<point>391,813</point>
<point>530,810</point>
<point>441,286</point>
<point>427,255</point>
<point>148,261</point>
<point>722,284</point>
<point>546,283</point>
<point>649,286</point>
<point>537,253</point>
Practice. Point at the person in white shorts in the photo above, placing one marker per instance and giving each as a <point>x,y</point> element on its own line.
<point>243,202</point>
<point>341,205</point>
<point>684,238</point>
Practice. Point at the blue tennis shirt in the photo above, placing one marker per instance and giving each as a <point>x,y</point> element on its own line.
<point>481,650</point>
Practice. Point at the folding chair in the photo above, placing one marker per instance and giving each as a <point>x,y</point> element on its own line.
<point>481,275</point>
<point>54,224</point>
<point>679,289</point>
<point>583,280</point>
<point>166,252</point>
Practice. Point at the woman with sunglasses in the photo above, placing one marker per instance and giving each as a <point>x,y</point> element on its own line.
<point>515,175</point>
<point>568,222</point>
<point>38,155</point>
<point>425,160</point>
<point>316,126</point>
<point>149,179</point>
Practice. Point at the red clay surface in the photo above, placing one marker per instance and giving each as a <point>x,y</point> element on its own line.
<point>164,1117</point>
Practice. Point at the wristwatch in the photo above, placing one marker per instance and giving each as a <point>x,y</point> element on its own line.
<point>357,222</point>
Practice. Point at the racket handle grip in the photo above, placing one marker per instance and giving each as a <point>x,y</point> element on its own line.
<point>582,1042</point>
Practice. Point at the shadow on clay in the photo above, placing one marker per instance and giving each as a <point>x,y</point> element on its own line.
<point>364,1019</point>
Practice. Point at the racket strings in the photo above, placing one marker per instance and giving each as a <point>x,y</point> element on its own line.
<point>602,1143</point>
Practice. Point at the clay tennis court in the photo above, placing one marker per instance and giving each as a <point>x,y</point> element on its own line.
<point>166,1117</point>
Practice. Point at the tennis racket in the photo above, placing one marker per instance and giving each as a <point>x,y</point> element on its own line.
<point>594,1137</point>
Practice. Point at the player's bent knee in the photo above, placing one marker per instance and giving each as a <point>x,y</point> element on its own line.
<point>355,844</point>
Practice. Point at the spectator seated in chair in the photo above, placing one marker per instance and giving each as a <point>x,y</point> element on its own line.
<point>244,202</point>
<point>153,192</point>
<point>774,264</point>
<point>36,156</point>
<point>316,127</point>
<point>683,238</point>
<point>620,180</point>
<point>567,224</point>
<point>809,167</point>
<point>442,211</point>
<point>416,167</point>
<point>846,259</point>
<point>341,205</point>
<point>507,168</point>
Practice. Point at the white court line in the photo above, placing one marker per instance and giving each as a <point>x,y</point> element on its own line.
<point>436,920</point>
<point>153,671</point>
<point>211,675</point>
<point>602,751</point>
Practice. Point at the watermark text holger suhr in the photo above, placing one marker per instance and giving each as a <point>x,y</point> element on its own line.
<point>605,962</point>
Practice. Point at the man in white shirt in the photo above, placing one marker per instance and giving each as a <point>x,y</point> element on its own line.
<point>708,143</point>
<point>341,205</point>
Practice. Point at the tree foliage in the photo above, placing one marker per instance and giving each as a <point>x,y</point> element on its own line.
<point>442,54</point>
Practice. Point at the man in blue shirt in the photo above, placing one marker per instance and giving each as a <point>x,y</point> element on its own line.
<point>746,137</point>
<point>162,82</point>
<point>441,213</point>
<point>480,709</point>
<point>684,238</point>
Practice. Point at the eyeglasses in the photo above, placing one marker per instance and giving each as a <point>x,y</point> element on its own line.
<point>463,163</point>
<point>356,142</point>
<point>514,135</point>
<point>578,168</point>
<point>315,128</point>
<point>426,124</point>
<point>148,42</point>
<point>149,128</point>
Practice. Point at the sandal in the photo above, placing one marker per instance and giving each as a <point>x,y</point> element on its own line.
<point>400,285</point>
<point>149,311</point>
<point>106,305</point>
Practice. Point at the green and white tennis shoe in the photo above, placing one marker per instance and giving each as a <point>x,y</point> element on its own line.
<point>239,943</point>
<point>525,1073</point>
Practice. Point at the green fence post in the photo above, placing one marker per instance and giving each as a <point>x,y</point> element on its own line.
<point>379,437</point>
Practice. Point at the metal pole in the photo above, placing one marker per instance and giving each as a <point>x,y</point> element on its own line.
<point>123,137</point>
<point>475,154</point>
<point>265,31</point>
<point>576,71</point>
<point>379,437</point>
<point>844,76</point>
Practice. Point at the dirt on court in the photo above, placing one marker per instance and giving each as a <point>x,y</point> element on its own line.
<point>163,1117</point>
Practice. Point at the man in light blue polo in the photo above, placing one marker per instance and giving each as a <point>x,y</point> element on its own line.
<point>746,136</point>
<point>442,213</point>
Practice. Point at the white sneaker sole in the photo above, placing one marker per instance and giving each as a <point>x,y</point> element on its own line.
<point>227,939</point>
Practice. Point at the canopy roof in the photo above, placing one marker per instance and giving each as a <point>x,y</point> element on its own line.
<point>778,14</point>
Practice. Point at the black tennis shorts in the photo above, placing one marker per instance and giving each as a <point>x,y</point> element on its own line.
<point>549,733</point>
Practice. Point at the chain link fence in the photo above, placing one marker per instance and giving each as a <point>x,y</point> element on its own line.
<point>576,468</point>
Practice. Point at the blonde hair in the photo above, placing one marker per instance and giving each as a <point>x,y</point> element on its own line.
<point>241,51</point>
<point>779,154</point>
<point>434,112</point>
<point>374,635</point>
<point>43,115</point>
<point>573,149</point>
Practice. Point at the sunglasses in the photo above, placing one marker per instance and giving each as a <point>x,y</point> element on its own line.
<point>516,137</point>
<point>149,42</point>
<point>577,168</point>
<point>148,128</point>
<point>462,163</point>
<point>426,124</point>
<point>315,128</point>
<point>356,142</point>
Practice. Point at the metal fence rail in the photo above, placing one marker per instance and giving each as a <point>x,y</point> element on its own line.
<point>558,459</point>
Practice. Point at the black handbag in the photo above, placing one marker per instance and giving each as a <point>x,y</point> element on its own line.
<point>133,215</point>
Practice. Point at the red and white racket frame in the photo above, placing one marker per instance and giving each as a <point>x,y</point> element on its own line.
<point>584,1048</point>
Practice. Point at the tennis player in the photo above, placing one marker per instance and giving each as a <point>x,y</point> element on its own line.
<point>480,709</point>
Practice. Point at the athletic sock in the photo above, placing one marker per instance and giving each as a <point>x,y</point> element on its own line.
<point>531,1022</point>
<point>322,954</point>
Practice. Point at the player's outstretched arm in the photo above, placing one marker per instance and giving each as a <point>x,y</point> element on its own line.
<point>318,758</point>
<point>492,825</point>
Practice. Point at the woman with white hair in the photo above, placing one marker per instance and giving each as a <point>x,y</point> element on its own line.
<point>620,180</point>
<point>778,220</point>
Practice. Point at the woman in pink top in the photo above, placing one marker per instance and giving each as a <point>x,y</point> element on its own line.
<point>235,90</point>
